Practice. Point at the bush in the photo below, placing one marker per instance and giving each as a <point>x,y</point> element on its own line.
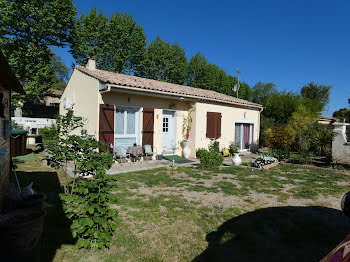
<point>210,160</point>
<point>304,158</point>
<point>49,133</point>
<point>279,154</point>
<point>200,151</point>
<point>233,148</point>
<point>214,146</point>
<point>281,137</point>
<point>263,160</point>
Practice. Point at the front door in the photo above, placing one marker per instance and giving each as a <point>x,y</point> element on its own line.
<point>168,132</point>
<point>244,135</point>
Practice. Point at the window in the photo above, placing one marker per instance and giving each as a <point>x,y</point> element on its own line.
<point>244,135</point>
<point>347,133</point>
<point>126,127</point>
<point>165,124</point>
<point>213,125</point>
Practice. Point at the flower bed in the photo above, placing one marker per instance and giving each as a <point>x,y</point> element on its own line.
<point>264,162</point>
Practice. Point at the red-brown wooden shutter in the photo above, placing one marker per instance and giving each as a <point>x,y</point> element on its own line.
<point>213,125</point>
<point>148,126</point>
<point>218,126</point>
<point>106,126</point>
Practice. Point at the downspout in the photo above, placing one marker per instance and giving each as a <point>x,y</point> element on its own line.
<point>261,109</point>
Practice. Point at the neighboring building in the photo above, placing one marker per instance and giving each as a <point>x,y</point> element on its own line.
<point>123,110</point>
<point>8,83</point>
<point>341,143</point>
<point>326,120</point>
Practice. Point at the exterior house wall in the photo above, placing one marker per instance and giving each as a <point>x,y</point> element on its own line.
<point>159,104</point>
<point>5,139</point>
<point>230,116</point>
<point>83,89</point>
<point>340,144</point>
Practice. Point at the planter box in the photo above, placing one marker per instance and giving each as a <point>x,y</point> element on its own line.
<point>270,166</point>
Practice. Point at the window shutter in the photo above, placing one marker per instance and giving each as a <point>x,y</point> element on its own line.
<point>211,125</point>
<point>218,127</point>
<point>106,125</point>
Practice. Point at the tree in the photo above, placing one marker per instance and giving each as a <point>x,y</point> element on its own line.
<point>60,77</point>
<point>117,43</point>
<point>261,92</point>
<point>28,31</point>
<point>342,114</point>
<point>165,62</point>
<point>202,74</point>
<point>315,96</point>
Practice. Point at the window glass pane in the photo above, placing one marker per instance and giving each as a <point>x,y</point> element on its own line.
<point>124,143</point>
<point>238,134</point>
<point>120,121</point>
<point>130,121</point>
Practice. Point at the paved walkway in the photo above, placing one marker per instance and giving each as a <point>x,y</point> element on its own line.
<point>151,164</point>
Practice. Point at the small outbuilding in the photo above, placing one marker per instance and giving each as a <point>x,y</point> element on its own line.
<point>125,110</point>
<point>8,83</point>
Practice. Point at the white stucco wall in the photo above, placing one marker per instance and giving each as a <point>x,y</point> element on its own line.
<point>83,89</point>
<point>230,116</point>
<point>159,104</point>
<point>340,146</point>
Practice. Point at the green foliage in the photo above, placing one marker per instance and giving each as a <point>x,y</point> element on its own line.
<point>304,158</point>
<point>315,139</point>
<point>28,31</point>
<point>200,151</point>
<point>85,198</point>
<point>214,146</point>
<point>315,96</point>
<point>60,78</point>
<point>342,114</point>
<point>49,134</point>
<point>280,137</point>
<point>202,74</point>
<point>117,43</point>
<point>233,148</point>
<point>165,62</point>
<point>279,154</point>
<point>210,160</point>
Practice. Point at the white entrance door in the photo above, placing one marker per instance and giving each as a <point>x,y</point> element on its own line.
<point>168,132</point>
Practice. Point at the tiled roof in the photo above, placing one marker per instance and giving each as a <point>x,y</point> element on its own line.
<point>164,87</point>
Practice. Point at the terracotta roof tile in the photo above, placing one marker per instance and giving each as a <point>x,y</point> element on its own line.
<point>154,85</point>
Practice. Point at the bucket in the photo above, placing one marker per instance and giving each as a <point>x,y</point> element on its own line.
<point>20,232</point>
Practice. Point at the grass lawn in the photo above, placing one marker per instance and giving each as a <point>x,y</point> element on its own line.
<point>228,215</point>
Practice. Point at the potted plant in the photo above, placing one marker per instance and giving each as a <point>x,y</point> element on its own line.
<point>186,128</point>
<point>234,151</point>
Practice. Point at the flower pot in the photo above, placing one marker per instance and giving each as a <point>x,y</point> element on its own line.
<point>186,149</point>
<point>236,159</point>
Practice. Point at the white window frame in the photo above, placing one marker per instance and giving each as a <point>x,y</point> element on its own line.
<point>251,129</point>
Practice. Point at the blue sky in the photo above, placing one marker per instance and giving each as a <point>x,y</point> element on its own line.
<point>289,43</point>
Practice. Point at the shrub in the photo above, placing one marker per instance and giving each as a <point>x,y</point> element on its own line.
<point>49,133</point>
<point>85,200</point>
<point>281,137</point>
<point>200,151</point>
<point>263,160</point>
<point>279,154</point>
<point>233,148</point>
<point>214,146</point>
<point>246,164</point>
<point>305,158</point>
<point>210,160</point>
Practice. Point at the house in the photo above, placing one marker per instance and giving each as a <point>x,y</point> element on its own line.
<point>341,143</point>
<point>8,83</point>
<point>123,110</point>
<point>326,120</point>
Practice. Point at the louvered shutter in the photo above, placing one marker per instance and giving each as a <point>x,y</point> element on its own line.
<point>148,126</point>
<point>106,124</point>
<point>218,126</point>
<point>211,124</point>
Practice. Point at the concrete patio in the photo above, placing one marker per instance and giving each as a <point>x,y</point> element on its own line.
<point>151,164</point>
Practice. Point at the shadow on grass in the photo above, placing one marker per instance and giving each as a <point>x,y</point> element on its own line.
<point>57,227</point>
<point>278,234</point>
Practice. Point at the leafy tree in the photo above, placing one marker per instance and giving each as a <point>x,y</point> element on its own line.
<point>165,62</point>
<point>117,43</point>
<point>315,96</point>
<point>202,74</point>
<point>60,77</point>
<point>261,92</point>
<point>342,114</point>
<point>86,194</point>
<point>28,29</point>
